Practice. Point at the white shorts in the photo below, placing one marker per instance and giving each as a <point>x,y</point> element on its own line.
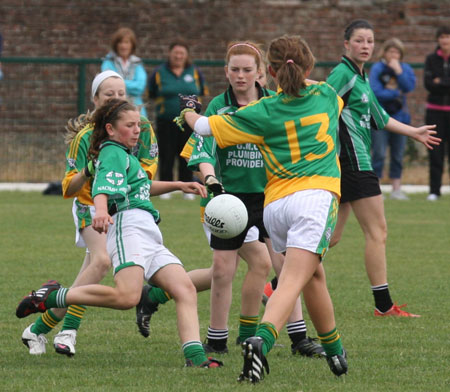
<point>304,219</point>
<point>90,211</point>
<point>135,239</point>
<point>252,234</point>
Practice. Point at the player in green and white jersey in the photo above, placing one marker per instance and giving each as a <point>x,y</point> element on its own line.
<point>360,185</point>
<point>241,171</point>
<point>77,185</point>
<point>121,193</point>
<point>295,130</point>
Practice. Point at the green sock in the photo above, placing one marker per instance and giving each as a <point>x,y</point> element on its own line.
<point>57,299</point>
<point>193,350</point>
<point>158,295</point>
<point>247,326</point>
<point>331,342</point>
<point>45,323</point>
<point>73,317</point>
<point>269,334</point>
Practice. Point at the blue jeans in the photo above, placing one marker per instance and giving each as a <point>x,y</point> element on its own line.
<point>381,139</point>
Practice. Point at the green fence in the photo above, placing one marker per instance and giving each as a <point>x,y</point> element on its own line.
<point>39,94</point>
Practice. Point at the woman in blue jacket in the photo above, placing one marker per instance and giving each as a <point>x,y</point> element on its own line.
<point>391,80</point>
<point>122,60</point>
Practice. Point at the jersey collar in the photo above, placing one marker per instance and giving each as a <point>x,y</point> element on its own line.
<point>230,98</point>
<point>114,143</point>
<point>347,61</point>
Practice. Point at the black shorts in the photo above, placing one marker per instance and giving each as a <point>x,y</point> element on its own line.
<point>255,207</point>
<point>357,185</point>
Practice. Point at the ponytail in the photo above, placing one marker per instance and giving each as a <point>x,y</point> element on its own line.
<point>291,58</point>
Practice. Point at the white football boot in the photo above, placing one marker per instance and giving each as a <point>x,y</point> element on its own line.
<point>35,343</point>
<point>64,342</point>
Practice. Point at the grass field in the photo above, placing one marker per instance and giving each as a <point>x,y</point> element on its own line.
<point>384,354</point>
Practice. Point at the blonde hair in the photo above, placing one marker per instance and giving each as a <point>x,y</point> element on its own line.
<point>391,43</point>
<point>75,125</point>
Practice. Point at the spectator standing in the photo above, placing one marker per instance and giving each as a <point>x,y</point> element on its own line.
<point>122,60</point>
<point>176,76</point>
<point>437,82</point>
<point>391,80</point>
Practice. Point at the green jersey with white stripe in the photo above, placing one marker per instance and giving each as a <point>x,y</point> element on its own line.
<point>119,175</point>
<point>360,114</point>
<point>239,168</point>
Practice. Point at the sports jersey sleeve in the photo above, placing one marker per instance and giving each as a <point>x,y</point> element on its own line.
<point>243,126</point>
<point>379,117</point>
<point>202,152</point>
<point>148,148</point>
<point>203,148</point>
<point>111,173</point>
<point>338,80</point>
<point>76,160</point>
<point>186,152</point>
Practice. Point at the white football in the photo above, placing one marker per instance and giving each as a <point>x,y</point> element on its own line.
<point>226,216</point>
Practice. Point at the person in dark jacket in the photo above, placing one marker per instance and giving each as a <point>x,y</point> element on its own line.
<point>437,82</point>
<point>391,80</point>
<point>176,76</point>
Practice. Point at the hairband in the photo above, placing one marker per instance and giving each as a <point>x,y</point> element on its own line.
<point>100,78</point>
<point>244,44</point>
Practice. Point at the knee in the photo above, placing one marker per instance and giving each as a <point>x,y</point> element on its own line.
<point>128,300</point>
<point>223,269</point>
<point>184,291</point>
<point>260,265</point>
<point>101,262</point>
<point>379,234</point>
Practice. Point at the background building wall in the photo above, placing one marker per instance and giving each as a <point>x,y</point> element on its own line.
<point>39,99</point>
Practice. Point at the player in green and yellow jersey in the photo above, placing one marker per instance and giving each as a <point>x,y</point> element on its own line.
<point>77,184</point>
<point>295,131</point>
<point>360,185</point>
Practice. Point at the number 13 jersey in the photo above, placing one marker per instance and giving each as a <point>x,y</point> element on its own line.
<point>295,135</point>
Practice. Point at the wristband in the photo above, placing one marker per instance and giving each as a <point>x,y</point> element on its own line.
<point>89,169</point>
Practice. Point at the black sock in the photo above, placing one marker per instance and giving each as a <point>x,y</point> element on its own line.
<point>274,283</point>
<point>296,331</point>
<point>217,338</point>
<point>383,301</point>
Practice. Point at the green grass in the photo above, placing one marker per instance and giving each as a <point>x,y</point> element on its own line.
<point>36,244</point>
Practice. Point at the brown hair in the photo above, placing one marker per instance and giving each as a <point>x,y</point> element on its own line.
<point>109,113</point>
<point>182,42</point>
<point>441,30</point>
<point>245,47</point>
<point>355,25</point>
<point>290,58</point>
<point>119,35</point>
<point>391,43</point>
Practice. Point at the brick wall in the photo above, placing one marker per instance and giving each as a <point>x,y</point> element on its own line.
<point>38,98</point>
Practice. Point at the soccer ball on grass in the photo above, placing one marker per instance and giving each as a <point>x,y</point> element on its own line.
<point>226,216</point>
